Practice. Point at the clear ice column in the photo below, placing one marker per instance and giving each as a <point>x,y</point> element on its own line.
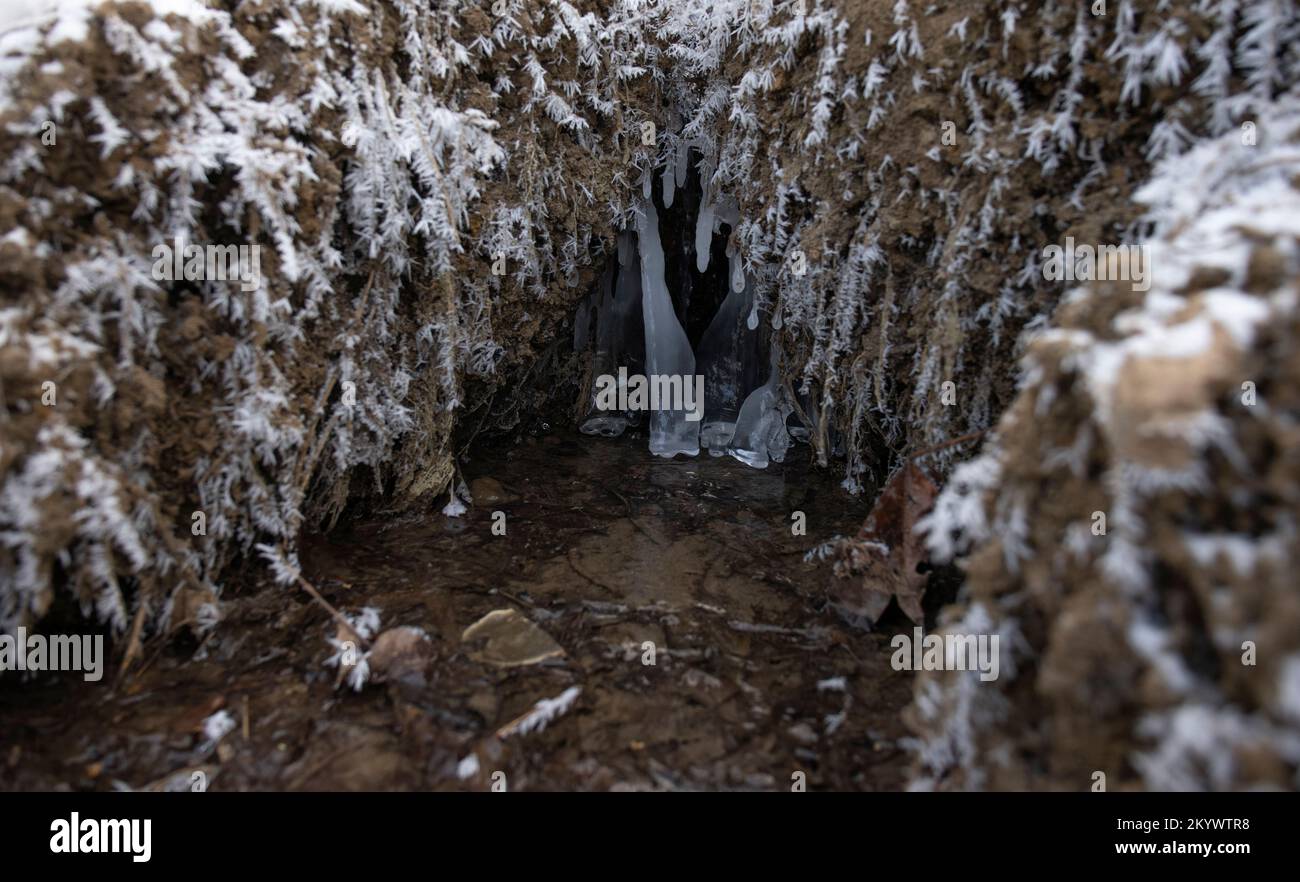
<point>668,352</point>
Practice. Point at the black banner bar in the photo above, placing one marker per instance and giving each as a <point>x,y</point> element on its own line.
<point>330,831</point>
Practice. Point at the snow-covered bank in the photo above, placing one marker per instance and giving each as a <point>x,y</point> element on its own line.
<point>1150,595</point>
<point>16,14</point>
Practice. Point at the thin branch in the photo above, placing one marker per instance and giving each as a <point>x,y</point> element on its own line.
<point>950,443</point>
<point>338,616</point>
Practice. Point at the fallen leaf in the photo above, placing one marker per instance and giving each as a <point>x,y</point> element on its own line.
<point>883,558</point>
<point>399,652</point>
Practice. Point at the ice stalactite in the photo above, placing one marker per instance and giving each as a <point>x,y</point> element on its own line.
<point>721,209</point>
<point>737,276</point>
<point>728,355</point>
<point>728,359</point>
<point>760,429</point>
<point>726,211</point>
<point>676,167</point>
<point>626,248</point>
<point>735,262</point>
<point>668,351</point>
<point>703,234</point>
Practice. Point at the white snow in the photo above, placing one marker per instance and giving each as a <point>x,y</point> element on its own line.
<point>543,713</point>
<point>467,767</point>
<point>72,17</point>
<point>218,726</point>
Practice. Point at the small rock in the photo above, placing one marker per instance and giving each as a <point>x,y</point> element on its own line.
<point>484,703</point>
<point>489,491</point>
<point>803,732</point>
<point>510,640</point>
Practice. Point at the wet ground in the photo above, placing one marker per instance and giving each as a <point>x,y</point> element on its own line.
<point>672,595</point>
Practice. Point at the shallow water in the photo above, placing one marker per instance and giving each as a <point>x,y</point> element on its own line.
<point>607,548</point>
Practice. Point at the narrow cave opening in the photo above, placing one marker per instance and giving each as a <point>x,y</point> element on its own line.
<point>697,296</point>
<point>663,304</point>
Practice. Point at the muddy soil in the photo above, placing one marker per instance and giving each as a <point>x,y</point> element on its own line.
<point>606,548</point>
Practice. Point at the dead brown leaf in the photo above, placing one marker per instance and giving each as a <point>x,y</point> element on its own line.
<point>883,558</point>
<point>399,652</point>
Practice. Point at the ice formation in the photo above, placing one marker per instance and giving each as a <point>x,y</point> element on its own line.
<point>668,352</point>
<point>760,435</point>
<point>703,234</point>
<point>727,357</point>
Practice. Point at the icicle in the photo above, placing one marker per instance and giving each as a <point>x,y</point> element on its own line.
<point>668,187</point>
<point>751,321</point>
<point>729,362</point>
<point>625,247</point>
<point>683,161</point>
<point>737,272</point>
<point>760,428</point>
<point>668,352</point>
<point>647,184</point>
<point>703,235</point>
<point>727,212</point>
<point>706,173</point>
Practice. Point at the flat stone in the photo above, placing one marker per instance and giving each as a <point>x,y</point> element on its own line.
<point>509,639</point>
<point>489,491</point>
